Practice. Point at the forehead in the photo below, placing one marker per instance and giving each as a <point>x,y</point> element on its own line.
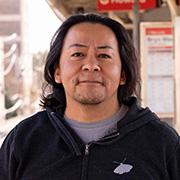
<point>87,32</point>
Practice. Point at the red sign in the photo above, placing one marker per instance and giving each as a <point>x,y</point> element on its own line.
<point>159,31</point>
<point>116,5</point>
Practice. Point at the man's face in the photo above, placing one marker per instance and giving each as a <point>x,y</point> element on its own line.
<point>90,65</point>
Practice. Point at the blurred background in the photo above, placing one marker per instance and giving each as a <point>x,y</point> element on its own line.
<point>27,26</point>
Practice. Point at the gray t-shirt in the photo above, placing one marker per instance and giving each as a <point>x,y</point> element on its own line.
<point>93,131</point>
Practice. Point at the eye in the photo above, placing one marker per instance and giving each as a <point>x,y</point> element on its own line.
<point>104,56</point>
<point>77,54</point>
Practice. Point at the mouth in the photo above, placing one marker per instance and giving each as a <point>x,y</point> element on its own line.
<point>91,82</point>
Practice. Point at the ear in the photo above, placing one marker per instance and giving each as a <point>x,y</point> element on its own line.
<point>57,76</point>
<point>123,78</point>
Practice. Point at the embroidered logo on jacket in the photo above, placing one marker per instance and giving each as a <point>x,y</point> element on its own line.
<point>122,168</point>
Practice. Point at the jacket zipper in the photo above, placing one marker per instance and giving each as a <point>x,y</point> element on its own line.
<point>87,149</point>
<point>85,162</point>
<point>86,154</point>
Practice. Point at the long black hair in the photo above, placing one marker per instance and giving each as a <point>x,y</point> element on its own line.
<point>130,64</point>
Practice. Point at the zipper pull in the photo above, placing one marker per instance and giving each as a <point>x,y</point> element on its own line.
<point>87,149</point>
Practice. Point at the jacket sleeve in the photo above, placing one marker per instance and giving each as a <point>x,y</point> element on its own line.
<point>173,165</point>
<point>8,163</point>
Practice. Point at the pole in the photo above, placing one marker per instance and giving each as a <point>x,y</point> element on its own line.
<point>136,21</point>
<point>2,97</point>
<point>136,25</point>
<point>26,60</point>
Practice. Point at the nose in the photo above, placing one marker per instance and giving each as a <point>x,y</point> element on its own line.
<point>91,64</point>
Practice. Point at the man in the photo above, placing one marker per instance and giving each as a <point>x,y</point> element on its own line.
<point>92,126</point>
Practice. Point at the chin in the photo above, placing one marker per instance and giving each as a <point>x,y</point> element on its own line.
<point>90,100</point>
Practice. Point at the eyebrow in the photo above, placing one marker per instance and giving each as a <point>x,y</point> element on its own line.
<point>104,47</point>
<point>77,45</point>
<point>85,46</point>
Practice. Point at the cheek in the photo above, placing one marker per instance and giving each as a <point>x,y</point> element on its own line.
<point>114,73</point>
<point>117,71</point>
<point>68,71</point>
<point>113,78</point>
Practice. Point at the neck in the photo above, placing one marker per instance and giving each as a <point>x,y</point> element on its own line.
<point>91,113</point>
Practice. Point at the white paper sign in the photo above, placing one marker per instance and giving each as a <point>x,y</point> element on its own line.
<point>158,54</point>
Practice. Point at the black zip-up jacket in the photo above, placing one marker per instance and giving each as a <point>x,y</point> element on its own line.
<point>43,147</point>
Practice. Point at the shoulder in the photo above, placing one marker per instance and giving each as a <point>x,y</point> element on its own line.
<point>31,130</point>
<point>27,126</point>
<point>35,124</point>
<point>38,119</point>
<point>163,128</point>
<point>164,133</point>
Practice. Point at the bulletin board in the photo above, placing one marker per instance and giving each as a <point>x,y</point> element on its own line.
<point>157,67</point>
